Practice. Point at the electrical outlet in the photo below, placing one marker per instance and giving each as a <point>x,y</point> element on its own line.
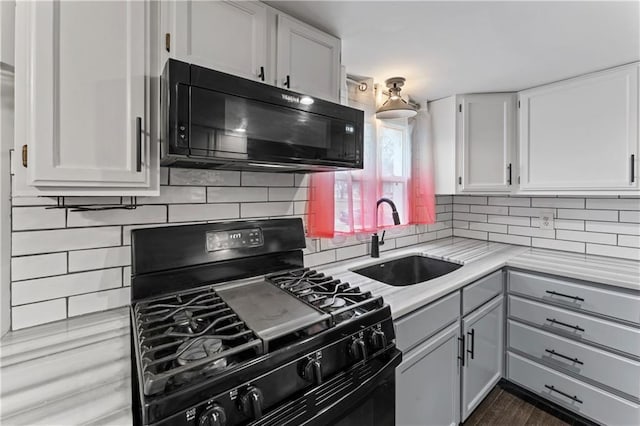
<point>546,219</point>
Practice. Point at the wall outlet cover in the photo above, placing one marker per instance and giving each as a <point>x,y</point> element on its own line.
<point>546,219</point>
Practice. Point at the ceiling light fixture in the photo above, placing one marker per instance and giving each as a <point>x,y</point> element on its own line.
<point>395,106</point>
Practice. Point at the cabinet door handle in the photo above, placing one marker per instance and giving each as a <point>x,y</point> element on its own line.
<point>633,168</point>
<point>555,293</point>
<point>509,178</point>
<point>472,335</point>
<point>261,75</point>
<point>461,350</point>
<point>553,352</point>
<point>287,82</point>
<point>564,324</point>
<point>566,395</point>
<point>138,144</point>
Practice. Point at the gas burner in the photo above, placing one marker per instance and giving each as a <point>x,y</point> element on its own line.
<point>198,348</point>
<point>185,323</point>
<point>335,303</point>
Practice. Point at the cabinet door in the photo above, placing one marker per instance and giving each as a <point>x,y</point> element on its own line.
<point>229,36</point>
<point>428,382</point>
<point>581,134</point>
<point>81,91</point>
<point>486,142</point>
<point>308,60</point>
<point>484,353</point>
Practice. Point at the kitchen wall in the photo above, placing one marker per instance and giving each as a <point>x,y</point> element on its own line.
<point>67,263</point>
<point>607,226</point>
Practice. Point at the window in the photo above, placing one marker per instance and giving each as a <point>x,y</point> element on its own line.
<point>394,168</point>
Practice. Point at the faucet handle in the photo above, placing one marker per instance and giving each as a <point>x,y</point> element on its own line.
<point>381,242</point>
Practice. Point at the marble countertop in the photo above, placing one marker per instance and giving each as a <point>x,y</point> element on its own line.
<point>78,371</point>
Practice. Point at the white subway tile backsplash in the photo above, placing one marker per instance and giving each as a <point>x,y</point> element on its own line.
<point>99,301</point>
<point>85,260</point>
<point>629,216</point>
<point>164,176</point>
<point>510,201</point>
<point>463,208</point>
<point>33,201</point>
<point>574,225</point>
<point>38,313</point>
<point>569,203</point>
<point>605,215</point>
<point>320,258</point>
<point>196,212</point>
<point>501,210</point>
<point>444,199</point>
<point>177,194</point>
<point>233,194</point>
<point>558,245</point>
<point>509,220</point>
<point>614,227</point>
<point>126,276</point>
<point>587,237</point>
<point>196,177</point>
<point>489,227</point>
<point>478,235</point>
<point>471,217</point>
<point>614,251</point>
<point>40,289</point>
<point>444,233</point>
<point>532,231</point>
<point>141,215</point>
<point>525,211</point>
<point>461,224</point>
<point>629,240</point>
<point>43,265</point>
<point>510,239</point>
<point>429,236</point>
<point>288,194</point>
<point>248,210</point>
<point>26,218</point>
<point>352,251</point>
<point>614,203</point>
<point>469,199</point>
<point>301,179</point>
<point>406,241</point>
<point>32,242</point>
<point>267,179</point>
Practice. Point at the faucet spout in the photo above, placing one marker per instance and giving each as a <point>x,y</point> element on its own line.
<point>375,241</point>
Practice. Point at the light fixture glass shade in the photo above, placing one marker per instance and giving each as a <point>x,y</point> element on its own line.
<point>396,108</point>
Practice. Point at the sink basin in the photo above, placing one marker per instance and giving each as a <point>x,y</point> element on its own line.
<point>408,270</point>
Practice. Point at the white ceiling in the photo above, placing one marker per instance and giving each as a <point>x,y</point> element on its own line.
<point>444,48</point>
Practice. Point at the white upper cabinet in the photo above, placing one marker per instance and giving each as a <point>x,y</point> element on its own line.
<point>486,142</point>
<point>308,60</point>
<point>581,134</point>
<point>229,36</point>
<point>82,97</point>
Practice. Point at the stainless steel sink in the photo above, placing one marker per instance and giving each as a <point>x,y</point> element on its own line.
<point>408,270</point>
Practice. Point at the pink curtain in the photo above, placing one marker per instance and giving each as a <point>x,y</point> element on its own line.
<point>344,203</point>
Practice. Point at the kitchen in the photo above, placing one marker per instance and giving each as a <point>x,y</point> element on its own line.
<point>508,293</point>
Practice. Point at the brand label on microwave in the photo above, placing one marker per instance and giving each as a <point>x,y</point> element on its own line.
<point>290,98</point>
<point>349,129</point>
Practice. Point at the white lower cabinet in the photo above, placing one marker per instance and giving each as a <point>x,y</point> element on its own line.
<point>483,331</point>
<point>428,381</point>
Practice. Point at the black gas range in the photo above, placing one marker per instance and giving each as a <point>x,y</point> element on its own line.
<point>230,328</point>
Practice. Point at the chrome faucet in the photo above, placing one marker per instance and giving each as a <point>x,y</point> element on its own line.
<point>375,241</point>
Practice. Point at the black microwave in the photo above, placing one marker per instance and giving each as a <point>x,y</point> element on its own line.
<point>216,120</point>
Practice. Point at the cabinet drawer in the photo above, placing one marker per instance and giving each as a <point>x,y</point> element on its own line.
<point>615,304</point>
<point>611,370</point>
<point>573,394</point>
<point>417,326</point>
<point>481,291</point>
<point>576,326</point>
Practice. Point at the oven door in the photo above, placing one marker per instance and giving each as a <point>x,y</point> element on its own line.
<point>364,395</point>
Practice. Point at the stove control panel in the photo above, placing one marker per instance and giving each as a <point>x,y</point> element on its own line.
<point>239,238</point>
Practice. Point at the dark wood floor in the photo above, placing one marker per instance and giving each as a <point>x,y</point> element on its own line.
<point>502,407</point>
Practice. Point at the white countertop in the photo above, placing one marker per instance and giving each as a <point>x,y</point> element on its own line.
<point>78,371</point>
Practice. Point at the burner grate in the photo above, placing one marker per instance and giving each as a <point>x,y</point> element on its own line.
<point>190,336</point>
<point>326,294</point>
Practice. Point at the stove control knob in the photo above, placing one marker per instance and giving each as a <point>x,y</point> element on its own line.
<point>358,349</point>
<point>312,371</point>
<point>251,402</point>
<point>378,340</point>
<point>215,416</point>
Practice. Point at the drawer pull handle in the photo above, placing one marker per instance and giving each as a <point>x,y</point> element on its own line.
<point>566,395</point>
<point>472,334</point>
<point>564,324</point>
<point>555,293</point>
<point>553,352</point>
